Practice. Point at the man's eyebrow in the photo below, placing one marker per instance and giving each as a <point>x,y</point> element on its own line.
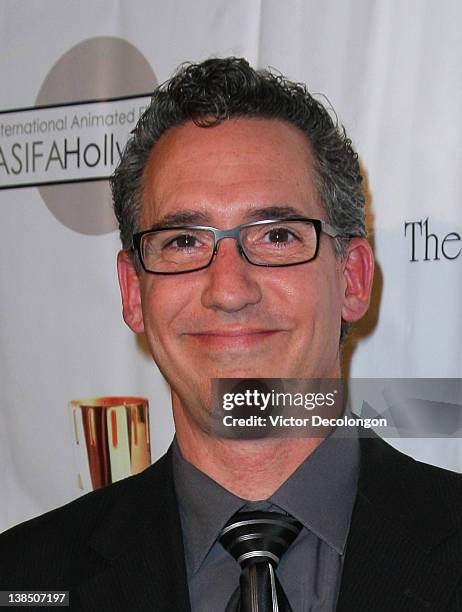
<point>281,211</point>
<point>195,217</point>
<point>182,217</point>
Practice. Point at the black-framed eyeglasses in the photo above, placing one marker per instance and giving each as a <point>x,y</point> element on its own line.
<point>271,243</point>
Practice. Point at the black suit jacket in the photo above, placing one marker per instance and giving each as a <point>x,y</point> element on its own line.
<point>120,548</point>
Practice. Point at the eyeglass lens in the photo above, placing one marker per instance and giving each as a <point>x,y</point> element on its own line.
<point>274,244</point>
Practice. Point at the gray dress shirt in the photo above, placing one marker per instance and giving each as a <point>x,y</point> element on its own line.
<point>320,494</point>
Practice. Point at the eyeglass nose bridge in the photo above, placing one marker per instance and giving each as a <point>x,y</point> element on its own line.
<point>234,233</point>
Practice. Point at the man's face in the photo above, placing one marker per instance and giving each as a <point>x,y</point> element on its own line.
<point>234,319</point>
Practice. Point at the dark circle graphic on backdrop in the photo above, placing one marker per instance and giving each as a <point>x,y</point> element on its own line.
<point>97,68</point>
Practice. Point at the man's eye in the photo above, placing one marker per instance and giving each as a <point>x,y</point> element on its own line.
<point>182,241</point>
<point>280,235</point>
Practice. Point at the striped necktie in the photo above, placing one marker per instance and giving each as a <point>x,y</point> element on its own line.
<point>257,540</point>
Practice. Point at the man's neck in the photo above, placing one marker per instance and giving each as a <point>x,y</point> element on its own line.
<point>251,469</point>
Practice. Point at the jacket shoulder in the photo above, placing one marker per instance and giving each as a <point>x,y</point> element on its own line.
<point>56,543</point>
<point>428,499</point>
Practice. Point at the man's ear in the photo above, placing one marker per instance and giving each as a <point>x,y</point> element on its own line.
<point>358,273</point>
<point>130,290</point>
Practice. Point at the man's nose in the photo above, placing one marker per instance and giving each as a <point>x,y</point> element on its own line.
<point>231,284</point>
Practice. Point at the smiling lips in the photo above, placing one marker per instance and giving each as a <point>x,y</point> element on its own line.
<point>233,338</point>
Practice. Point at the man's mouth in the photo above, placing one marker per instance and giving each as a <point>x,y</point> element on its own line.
<point>233,338</point>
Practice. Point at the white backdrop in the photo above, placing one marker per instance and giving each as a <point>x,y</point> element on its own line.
<point>391,69</point>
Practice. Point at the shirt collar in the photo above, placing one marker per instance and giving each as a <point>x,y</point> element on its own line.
<point>205,508</point>
<point>322,490</point>
<point>320,494</point>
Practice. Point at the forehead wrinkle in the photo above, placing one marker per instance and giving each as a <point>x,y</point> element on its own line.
<point>165,153</point>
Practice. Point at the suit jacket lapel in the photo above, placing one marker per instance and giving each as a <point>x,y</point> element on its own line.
<point>390,562</point>
<point>141,541</point>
